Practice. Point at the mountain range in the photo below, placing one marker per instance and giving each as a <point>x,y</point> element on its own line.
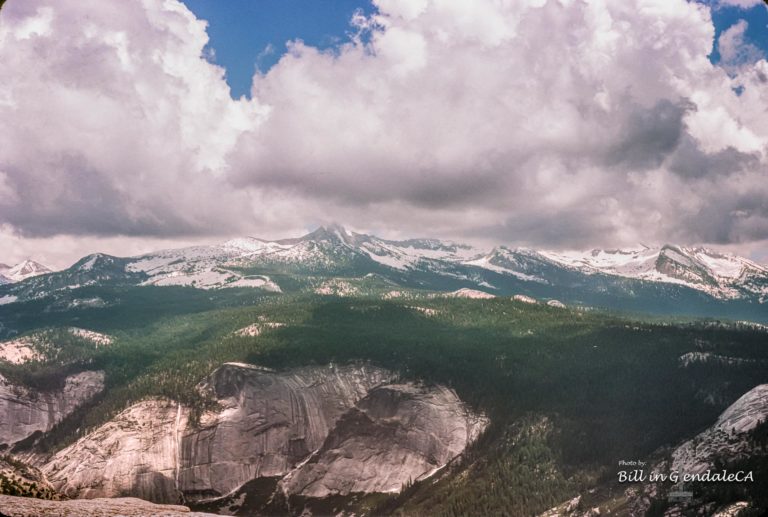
<point>669,279</point>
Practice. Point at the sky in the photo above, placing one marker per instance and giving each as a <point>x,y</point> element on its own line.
<point>131,126</point>
<point>248,36</point>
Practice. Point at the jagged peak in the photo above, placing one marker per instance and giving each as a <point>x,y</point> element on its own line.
<point>26,269</point>
<point>329,232</point>
<point>29,263</point>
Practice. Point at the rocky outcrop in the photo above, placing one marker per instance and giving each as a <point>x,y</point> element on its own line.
<point>123,507</point>
<point>330,430</point>
<point>20,479</point>
<point>398,433</point>
<point>270,421</point>
<point>18,351</point>
<point>24,411</point>
<point>719,450</point>
<point>136,454</point>
<point>728,438</point>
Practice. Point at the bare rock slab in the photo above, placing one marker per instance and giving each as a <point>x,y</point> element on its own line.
<point>122,507</point>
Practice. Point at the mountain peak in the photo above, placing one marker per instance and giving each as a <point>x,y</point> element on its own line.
<point>332,232</point>
<point>26,269</point>
<point>94,260</point>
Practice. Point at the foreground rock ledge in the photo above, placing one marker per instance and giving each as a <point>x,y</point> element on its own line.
<point>123,507</point>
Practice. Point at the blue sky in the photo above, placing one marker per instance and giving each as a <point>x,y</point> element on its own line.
<point>247,34</point>
<point>757,32</point>
<point>250,34</point>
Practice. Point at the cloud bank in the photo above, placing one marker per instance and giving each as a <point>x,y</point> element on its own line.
<point>556,123</point>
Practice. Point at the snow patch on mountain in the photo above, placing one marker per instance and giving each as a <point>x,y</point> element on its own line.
<point>24,270</point>
<point>722,275</point>
<point>8,298</point>
<point>90,262</point>
<point>333,252</point>
<point>203,267</point>
<point>408,254</point>
<point>487,262</point>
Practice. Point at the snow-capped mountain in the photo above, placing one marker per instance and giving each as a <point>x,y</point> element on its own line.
<point>22,271</point>
<point>664,280</point>
<point>328,251</point>
<point>722,275</point>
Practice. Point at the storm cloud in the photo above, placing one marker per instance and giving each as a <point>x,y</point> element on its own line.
<point>558,123</point>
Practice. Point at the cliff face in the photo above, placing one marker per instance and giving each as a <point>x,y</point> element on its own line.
<point>269,423</point>
<point>728,438</point>
<point>324,430</point>
<point>23,411</point>
<point>396,434</point>
<point>135,454</point>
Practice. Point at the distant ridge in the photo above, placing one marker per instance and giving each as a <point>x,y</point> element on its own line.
<point>332,260</point>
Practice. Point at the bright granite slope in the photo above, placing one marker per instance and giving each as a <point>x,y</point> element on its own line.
<point>269,422</point>
<point>397,434</point>
<point>135,454</point>
<point>729,446</point>
<point>728,438</point>
<point>267,426</point>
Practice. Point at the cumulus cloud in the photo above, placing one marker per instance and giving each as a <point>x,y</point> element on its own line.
<point>562,123</point>
<point>111,121</point>
<point>556,123</point>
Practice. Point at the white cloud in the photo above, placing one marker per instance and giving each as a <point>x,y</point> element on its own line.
<point>541,116</point>
<point>744,4</point>
<point>113,123</point>
<point>557,122</point>
<point>734,51</point>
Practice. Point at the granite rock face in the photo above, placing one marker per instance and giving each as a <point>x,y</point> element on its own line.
<point>269,422</point>
<point>135,454</point>
<point>728,438</point>
<point>397,434</point>
<point>24,411</point>
<point>123,507</point>
<point>323,430</point>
